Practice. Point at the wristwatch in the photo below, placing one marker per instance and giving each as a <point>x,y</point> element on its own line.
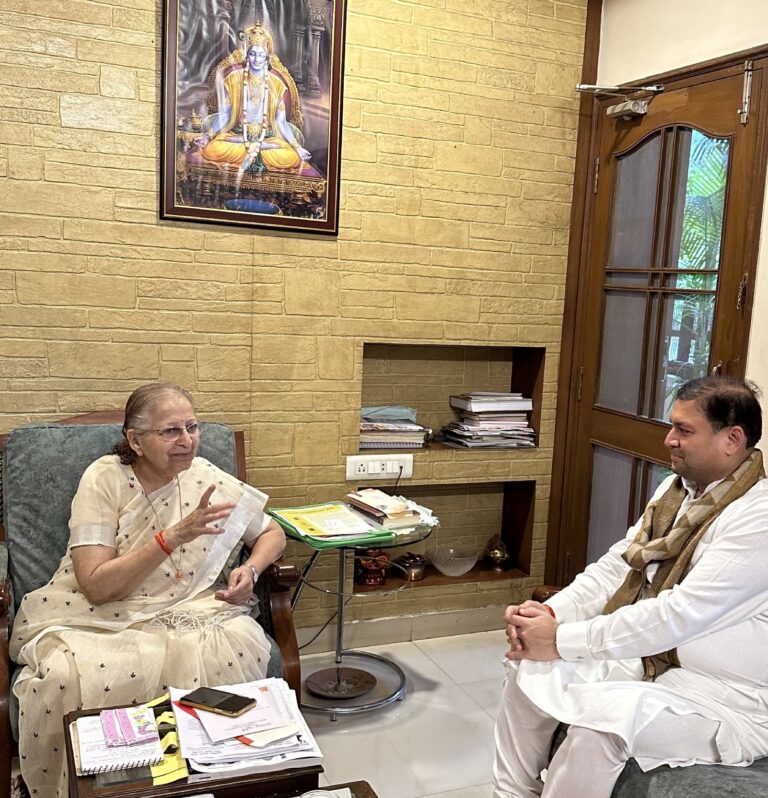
<point>255,574</point>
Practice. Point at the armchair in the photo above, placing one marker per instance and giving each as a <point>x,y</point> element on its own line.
<point>40,468</point>
<point>702,781</point>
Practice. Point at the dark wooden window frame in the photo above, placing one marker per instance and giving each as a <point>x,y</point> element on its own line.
<point>558,568</point>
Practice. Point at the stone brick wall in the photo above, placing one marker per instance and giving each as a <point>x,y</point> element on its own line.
<point>457,166</point>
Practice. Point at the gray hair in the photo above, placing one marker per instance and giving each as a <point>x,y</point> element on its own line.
<point>139,408</point>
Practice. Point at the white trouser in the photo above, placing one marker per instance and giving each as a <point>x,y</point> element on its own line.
<point>589,762</point>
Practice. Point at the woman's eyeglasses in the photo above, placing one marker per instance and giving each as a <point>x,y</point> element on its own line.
<point>174,433</point>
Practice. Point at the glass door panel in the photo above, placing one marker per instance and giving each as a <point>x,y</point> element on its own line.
<point>674,180</point>
<point>687,322</point>
<point>699,200</point>
<point>611,489</point>
<point>621,358</point>
<point>634,205</point>
<point>621,487</point>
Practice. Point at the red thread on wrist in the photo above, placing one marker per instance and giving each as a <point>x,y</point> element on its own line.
<point>160,538</point>
<point>550,611</point>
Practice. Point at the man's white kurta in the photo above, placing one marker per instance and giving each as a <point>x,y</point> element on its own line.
<point>717,618</point>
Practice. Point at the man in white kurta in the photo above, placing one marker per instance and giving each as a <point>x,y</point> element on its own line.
<point>570,663</point>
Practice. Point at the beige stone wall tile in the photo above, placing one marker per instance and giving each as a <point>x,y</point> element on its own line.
<point>115,81</point>
<point>316,444</point>
<point>311,293</point>
<point>335,359</point>
<point>105,360</point>
<point>106,113</point>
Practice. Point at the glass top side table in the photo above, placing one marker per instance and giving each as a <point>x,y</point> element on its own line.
<point>377,681</point>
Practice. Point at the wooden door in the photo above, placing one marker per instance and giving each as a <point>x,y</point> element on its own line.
<point>664,295</point>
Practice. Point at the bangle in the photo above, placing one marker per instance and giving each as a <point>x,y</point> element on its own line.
<point>160,538</point>
<point>255,574</point>
<point>550,611</point>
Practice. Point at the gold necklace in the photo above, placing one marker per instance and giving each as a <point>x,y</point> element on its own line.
<point>181,518</point>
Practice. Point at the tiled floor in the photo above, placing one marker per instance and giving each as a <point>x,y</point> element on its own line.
<point>438,741</point>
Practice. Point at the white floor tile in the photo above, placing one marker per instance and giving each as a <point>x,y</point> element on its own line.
<point>479,791</point>
<point>486,694</point>
<point>468,658</point>
<point>438,741</point>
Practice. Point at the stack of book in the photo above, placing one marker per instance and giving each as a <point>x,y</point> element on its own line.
<point>271,736</point>
<point>392,435</point>
<point>391,512</point>
<point>490,420</point>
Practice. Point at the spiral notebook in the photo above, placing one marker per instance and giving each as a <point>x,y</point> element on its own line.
<point>93,755</point>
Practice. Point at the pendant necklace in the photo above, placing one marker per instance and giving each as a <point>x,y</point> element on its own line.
<point>177,566</point>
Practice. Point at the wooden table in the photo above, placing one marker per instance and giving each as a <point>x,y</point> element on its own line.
<point>137,782</point>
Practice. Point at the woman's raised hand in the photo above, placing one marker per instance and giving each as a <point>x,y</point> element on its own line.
<point>197,522</point>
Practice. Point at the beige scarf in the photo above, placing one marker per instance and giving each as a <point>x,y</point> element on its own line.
<point>672,543</point>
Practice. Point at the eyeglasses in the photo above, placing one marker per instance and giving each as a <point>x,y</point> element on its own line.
<point>174,433</point>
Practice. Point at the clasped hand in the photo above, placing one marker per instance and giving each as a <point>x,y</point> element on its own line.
<point>531,632</point>
<point>196,523</point>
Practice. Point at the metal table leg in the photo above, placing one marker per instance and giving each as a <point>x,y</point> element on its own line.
<point>352,686</point>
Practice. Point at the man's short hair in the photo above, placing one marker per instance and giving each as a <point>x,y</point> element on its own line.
<point>727,402</point>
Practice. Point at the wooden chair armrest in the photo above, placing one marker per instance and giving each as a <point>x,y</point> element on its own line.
<point>543,592</point>
<point>282,578</point>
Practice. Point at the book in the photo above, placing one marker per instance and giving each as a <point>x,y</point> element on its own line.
<point>332,519</point>
<point>375,500</point>
<point>478,401</point>
<point>95,756</point>
<point>128,725</point>
<point>393,444</point>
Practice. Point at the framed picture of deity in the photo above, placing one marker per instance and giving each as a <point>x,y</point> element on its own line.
<point>251,114</point>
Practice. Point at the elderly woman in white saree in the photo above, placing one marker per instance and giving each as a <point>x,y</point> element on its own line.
<point>146,595</point>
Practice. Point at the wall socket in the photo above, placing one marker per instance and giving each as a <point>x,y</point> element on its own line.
<point>379,466</point>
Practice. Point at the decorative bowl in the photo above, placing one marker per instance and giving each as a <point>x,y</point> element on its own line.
<point>452,560</point>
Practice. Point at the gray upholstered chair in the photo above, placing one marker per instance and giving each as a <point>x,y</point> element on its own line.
<point>696,781</point>
<point>40,468</point>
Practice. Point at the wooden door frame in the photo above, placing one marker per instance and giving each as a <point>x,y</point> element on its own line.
<point>558,569</point>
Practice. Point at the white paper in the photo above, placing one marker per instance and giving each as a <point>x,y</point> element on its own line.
<point>206,755</point>
<point>248,507</point>
<point>263,717</point>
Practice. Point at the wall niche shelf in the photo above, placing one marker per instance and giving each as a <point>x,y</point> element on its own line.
<point>424,376</point>
<point>471,514</point>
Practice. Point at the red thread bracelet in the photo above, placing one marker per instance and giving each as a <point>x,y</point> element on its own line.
<point>550,611</point>
<point>160,538</point>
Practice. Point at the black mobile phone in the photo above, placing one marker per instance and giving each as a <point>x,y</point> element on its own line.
<point>219,701</point>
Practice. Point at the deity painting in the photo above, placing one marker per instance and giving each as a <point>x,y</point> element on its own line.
<point>252,112</point>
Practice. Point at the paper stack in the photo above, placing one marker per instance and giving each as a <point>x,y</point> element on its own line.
<point>391,512</point>
<point>490,420</point>
<point>271,736</point>
<point>391,427</point>
<point>392,435</point>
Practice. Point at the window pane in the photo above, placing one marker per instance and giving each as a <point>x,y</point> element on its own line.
<point>621,357</point>
<point>616,479</point>
<point>611,483</point>
<point>634,205</point>
<point>695,281</point>
<point>699,200</point>
<point>656,475</point>
<point>687,320</point>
